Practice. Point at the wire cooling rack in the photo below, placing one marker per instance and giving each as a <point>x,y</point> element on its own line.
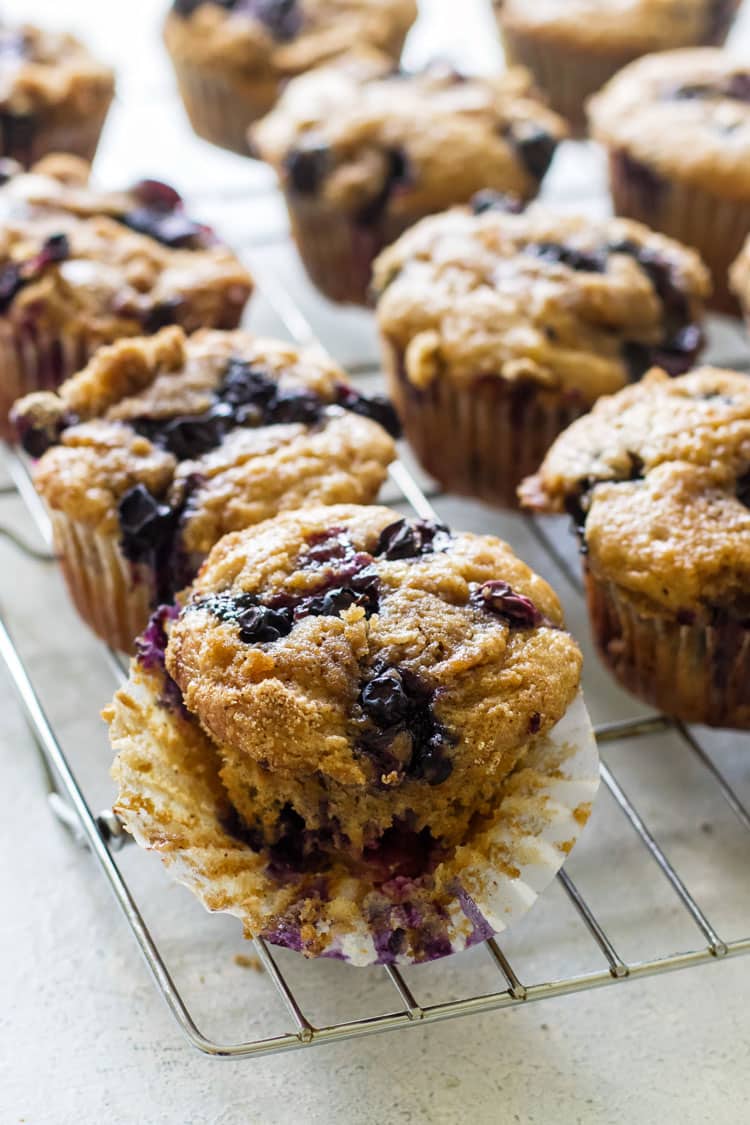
<point>104,835</point>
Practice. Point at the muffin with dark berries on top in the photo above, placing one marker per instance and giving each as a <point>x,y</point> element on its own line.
<point>163,444</point>
<point>500,328</point>
<point>80,267</point>
<point>232,58</point>
<point>657,479</point>
<point>572,47</point>
<point>359,733</point>
<point>363,152</point>
<point>676,127</point>
<point>54,95</point>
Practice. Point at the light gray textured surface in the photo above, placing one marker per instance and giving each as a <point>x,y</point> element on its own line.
<point>84,1036</point>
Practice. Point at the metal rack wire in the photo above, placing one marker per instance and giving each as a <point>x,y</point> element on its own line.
<point>104,834</point>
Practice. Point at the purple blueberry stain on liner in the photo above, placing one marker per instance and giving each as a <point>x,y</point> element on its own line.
<point>481,928</point>
<point>151,649</point>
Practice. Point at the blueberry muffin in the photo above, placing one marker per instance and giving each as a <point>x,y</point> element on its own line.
<point>677,130</point>
<point>573,47</point>
<point>740,279</point>
<point>363,152</point>
<point>499,329</point>
<point>162,445</point>
<point>232,58</point>
<point>657,479</point>
<point>54,96</point>
<point>81,267</point>
<point>347,732</point>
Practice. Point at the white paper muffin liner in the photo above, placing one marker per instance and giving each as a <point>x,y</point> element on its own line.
<point>172,801</point>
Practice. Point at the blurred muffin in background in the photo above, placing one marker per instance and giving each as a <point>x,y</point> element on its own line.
<point>740,280</point>
<point>572,47</point>
<point>54,95</point>
<point>232,58</point>
<point>363,152</point>
<point>677,130</point>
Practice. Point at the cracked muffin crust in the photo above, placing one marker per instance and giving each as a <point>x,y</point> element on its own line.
<point>500,328</point>
<point>657,478</point>
<point>363,151</point>
<point>361,689</point>
<point>573,47</point>
<point>162,445</point>
<point>54,96</point>
<point>677,130</point>
<point>233,57</point>
<point>81,267</point>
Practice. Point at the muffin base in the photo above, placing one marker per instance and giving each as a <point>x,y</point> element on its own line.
<point>172,801</point>
<point>337,251</point>
<point>695,672</point>
<point>33,359</point>
<point>715,226</point>
<point>113,596</point>
<point>29,140</point>
<point>219,110</point>
<point>481,438</point>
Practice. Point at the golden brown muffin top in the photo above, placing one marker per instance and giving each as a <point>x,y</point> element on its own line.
<point>659,475</point>
<point>274,40</point>
<point>41,69</point>
<point>567,302</point>
<point>110,263</point>
<point>619,25</point>
<point>739,276</point>
<point>682,113</point>
<point>357,135</point>
<point>382,655</point>
<point>221,430</point>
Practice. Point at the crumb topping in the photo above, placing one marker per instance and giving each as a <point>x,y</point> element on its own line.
<point>566,302</point>
<point>131,261</point>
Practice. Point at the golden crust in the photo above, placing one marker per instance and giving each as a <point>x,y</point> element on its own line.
<point>244,49</point>
<point>452,132</point>
<point>460,298</point>
<point>281,714</point>
<point>659,467</point>
<point>254,473</point>
<point>704,141</point>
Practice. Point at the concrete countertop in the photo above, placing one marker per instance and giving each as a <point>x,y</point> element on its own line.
<point>84,1036</point>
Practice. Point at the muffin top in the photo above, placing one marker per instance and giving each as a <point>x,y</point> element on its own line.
<point>566,302</point>
<point>376,651</point>
<point>279,38</point>
<point>621,25</point>
<point>683,113</point>
<point>364,137</point>
<point>42,70</point>
<point>658,476</point>
<point>109,263</point>
<point>177,440</point>
<point>740,275</point>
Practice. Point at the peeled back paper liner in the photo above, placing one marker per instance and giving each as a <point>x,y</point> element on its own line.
<point>172,801</point>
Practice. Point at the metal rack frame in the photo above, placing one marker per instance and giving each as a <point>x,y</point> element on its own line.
<point>104,834</point>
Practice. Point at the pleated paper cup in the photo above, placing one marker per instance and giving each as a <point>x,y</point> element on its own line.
<point>715,226</point>
<point>482,437</point>
<point>221,110</point>
<point>35,359</point>
<point>172,801</point>
<point>113,596</point>
<point>690,669</point>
